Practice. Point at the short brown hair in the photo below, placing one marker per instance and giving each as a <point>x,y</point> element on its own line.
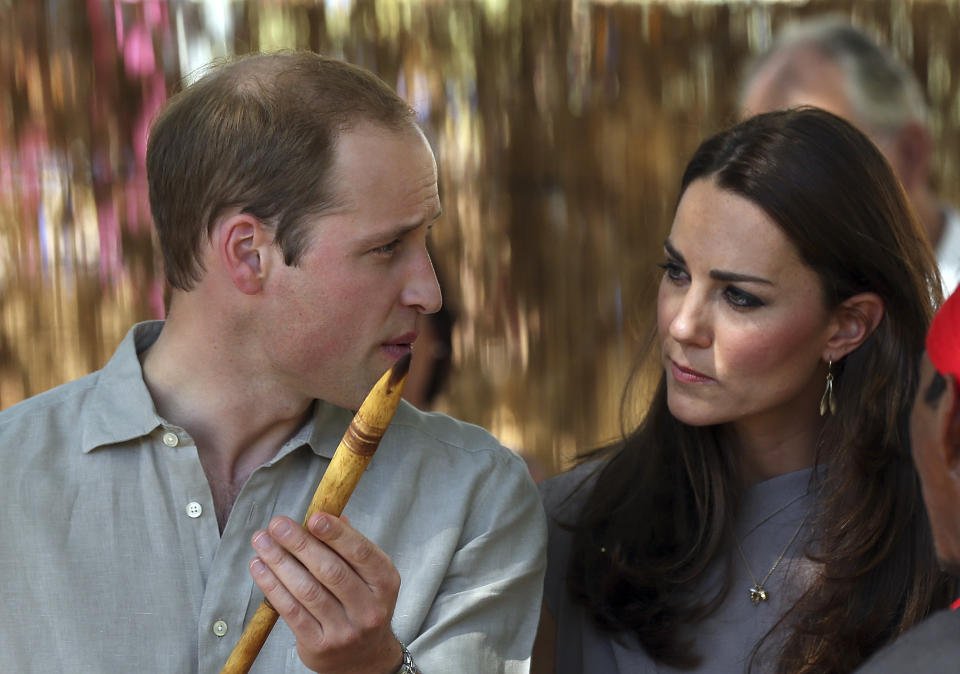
<point>259,133</point>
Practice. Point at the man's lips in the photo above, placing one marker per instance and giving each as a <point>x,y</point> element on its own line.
<point>406,339</point>
<point>687,375</point>
<point>399,346</point>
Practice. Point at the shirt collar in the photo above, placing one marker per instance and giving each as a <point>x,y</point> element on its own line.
<point>121,408</point>
<point>321,433</point>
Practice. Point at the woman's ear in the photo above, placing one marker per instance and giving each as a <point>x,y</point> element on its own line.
<point>854,320</point>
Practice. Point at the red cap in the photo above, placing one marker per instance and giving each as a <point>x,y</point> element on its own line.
<point>943,338</point>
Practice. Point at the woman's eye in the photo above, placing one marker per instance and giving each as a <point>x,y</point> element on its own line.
<point>741,299</point>
<point>673,271</point>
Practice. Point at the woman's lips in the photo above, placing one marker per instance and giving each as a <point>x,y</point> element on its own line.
<point>688,376</point>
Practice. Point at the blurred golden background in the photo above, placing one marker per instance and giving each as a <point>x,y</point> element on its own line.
<point>560,126</point>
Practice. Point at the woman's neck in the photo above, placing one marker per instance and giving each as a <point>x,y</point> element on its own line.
<point>768,451</point>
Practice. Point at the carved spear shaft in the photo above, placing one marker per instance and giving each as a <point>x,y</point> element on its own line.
<point>346,468</point>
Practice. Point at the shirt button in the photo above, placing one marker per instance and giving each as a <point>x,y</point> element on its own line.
<point>220,628</point>
<point>194,510</point>
<point>170,439</point>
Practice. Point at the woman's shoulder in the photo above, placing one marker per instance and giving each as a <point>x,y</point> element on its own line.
<point>564,495</point>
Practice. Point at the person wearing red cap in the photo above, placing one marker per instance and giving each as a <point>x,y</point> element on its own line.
<point>933,645</point>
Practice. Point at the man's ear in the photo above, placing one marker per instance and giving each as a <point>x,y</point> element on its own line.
<point>242,246</point>
<point>854,320</point>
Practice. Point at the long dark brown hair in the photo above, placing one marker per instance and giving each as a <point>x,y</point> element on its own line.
<point>663,506</point>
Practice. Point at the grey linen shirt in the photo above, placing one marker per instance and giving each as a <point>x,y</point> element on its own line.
<point>112,561</point>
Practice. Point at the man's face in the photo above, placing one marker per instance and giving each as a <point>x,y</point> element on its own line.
<point>337,321</point>
<point>928,444</point>
<point>802,76</point>
<point>798,77</point>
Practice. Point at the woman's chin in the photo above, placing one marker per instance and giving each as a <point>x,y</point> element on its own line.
<point>694,413</point>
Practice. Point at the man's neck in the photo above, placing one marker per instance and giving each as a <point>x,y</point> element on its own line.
<point>238,419</point>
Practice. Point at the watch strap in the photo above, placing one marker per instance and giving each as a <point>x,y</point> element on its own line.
<point>407,665</point>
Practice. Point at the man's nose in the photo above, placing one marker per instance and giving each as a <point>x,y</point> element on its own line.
<point>422,289</point>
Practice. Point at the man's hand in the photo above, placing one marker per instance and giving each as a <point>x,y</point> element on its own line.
<point>335,589</point>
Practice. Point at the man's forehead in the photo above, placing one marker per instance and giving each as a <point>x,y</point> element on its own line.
<point>364,149</point>
<point>384,176</point>
<point>801,75</point>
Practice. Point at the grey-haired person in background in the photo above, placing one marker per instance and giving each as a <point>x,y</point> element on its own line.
<point>829,63</point>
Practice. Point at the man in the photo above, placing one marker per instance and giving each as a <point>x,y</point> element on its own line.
<point>830,64</point>
<point>934,645</point>
<point>292,196</point>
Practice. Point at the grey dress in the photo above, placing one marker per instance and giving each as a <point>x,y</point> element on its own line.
<point>771,513</point>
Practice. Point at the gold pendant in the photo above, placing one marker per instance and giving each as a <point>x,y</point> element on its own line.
<point>757,595</point>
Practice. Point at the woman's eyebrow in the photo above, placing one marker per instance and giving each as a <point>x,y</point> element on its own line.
<point>717,274</point>
<point>673,252</point>
<point>720,275</point>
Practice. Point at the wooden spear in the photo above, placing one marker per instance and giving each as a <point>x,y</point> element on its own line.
<point>346,468</point>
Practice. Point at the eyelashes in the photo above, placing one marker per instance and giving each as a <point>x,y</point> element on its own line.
<point>739,298</point>
<point>673,271</point>
<point>736,297</point>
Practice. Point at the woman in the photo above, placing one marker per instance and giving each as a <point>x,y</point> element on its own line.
<point>764,516</point>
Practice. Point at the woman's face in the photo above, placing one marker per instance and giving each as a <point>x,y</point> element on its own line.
<point>741,319</point>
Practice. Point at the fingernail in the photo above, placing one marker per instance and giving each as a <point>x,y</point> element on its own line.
<point>280,527</point>
<point>257,566</point>
<point>262,541</point>
<point>320,524</point>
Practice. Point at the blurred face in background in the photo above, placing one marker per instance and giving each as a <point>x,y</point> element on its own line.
<point>935,462</point>
<point>798,77</point>
<point>803,76</point>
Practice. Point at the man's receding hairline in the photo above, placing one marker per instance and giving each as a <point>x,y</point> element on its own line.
<point>850,49</point>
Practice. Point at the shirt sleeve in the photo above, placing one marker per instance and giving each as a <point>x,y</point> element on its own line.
<point>485,615</point>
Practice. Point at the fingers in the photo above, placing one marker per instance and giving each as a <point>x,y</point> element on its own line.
<point>295,594</point>
<point>336,574</point>
<point>369,562</point>
<point>335,589</point>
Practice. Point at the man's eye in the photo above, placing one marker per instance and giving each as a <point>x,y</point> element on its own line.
<point>387,249</point>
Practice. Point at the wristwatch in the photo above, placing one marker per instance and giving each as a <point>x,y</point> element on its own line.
<point>407,665</point>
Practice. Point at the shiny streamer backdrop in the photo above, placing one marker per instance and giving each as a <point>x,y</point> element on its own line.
<point>560,127</point>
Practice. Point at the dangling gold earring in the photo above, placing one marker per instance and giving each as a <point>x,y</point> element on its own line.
<point>828,402</point>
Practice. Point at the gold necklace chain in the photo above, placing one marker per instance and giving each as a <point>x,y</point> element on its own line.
<point>757,592</point>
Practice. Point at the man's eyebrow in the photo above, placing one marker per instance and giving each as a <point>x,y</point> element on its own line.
<point>390,234</point>
<point>718,274</point>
